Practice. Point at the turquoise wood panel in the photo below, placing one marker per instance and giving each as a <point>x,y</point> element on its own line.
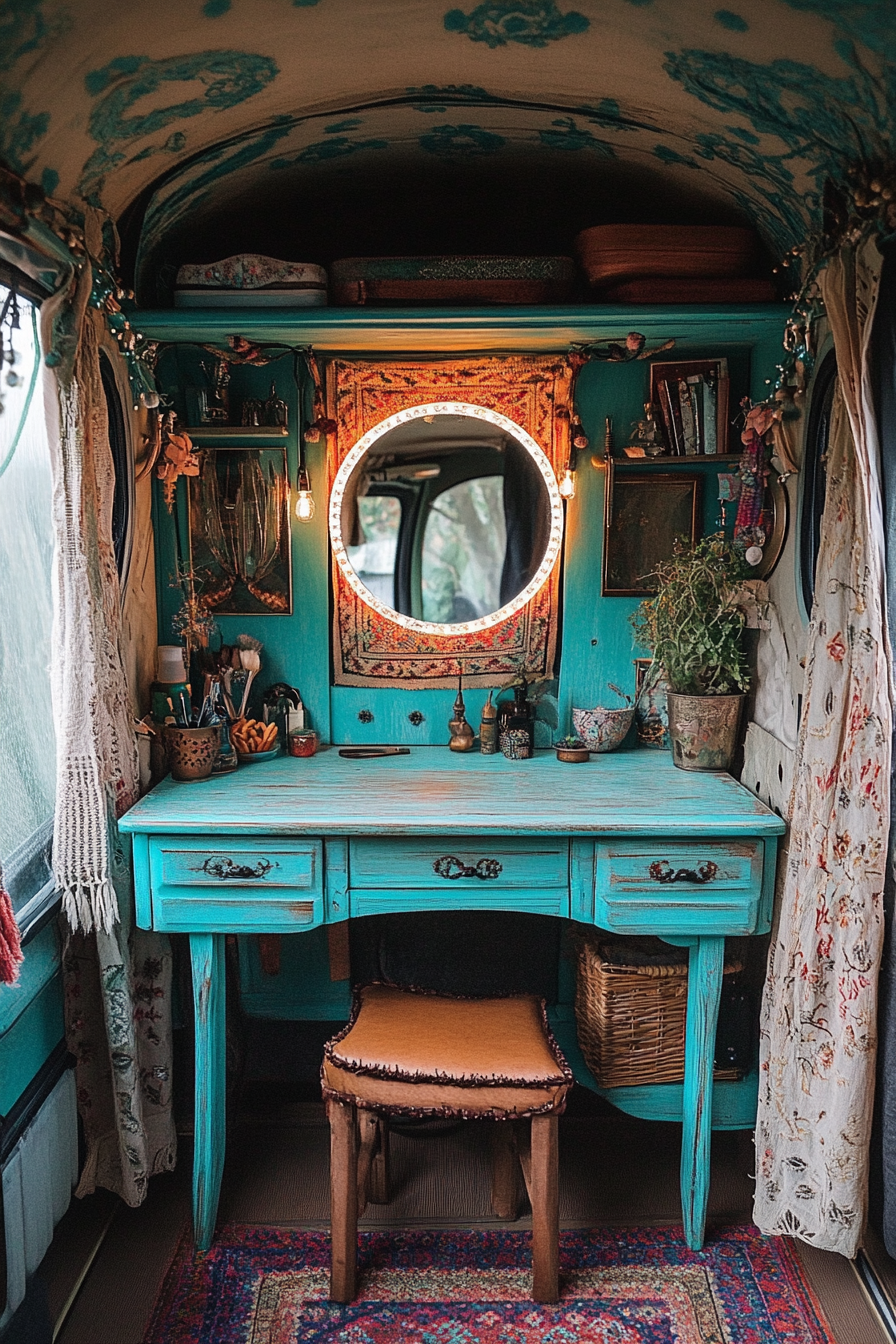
<point>733,1103</point>
<point>705,965</point>
<point>581,881</point>
<point>31,1039</point>
<point>638,792</point>
<point>439,330</point>
<point>303,990</point>
<point>237,886</point>
<point>528,900</point>
<point>142,881</point>
<point>209,1007</point>
<point>336,879</point>
<point>398,863</point>
<point>231,864</point>
<point>630,899</point>
<point>40,965</point>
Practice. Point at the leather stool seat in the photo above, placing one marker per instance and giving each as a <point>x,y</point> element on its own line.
<point>425,1055</point>
<point>413,1054</point>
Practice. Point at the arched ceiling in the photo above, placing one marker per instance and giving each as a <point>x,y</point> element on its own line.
<point>319,124</point>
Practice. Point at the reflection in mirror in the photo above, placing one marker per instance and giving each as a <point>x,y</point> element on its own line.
<point>446,517</point>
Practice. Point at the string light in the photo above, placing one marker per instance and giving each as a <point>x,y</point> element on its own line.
<point>567,484</point>
<point>304,498</point>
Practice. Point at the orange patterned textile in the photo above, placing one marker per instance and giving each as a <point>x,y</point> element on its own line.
<point>532,390</point>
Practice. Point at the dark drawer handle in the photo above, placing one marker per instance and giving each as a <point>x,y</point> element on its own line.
<point>448,866</point>
<point>662,871</point>
<point>227,871</point>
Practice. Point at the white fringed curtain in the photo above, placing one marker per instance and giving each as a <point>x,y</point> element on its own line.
<point>818,1026</point>
<point>117,978</point>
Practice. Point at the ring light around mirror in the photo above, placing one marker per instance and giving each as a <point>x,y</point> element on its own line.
<point>446,518</point>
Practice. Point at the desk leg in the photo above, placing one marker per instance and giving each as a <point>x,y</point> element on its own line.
<point>209,996</point>
<point>704,990</point>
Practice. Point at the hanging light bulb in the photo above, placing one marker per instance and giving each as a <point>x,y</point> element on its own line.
<point>304,498</point>
<point>567,484</point>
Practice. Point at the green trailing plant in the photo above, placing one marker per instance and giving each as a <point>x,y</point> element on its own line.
<point>570,743</point>
<point>694,627</point>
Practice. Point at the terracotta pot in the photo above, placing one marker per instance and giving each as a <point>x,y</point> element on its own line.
<point>703,730</point>
<point>192,751</point>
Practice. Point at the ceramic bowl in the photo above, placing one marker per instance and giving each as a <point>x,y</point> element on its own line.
<point>250,757</point>
<point>602,729</point>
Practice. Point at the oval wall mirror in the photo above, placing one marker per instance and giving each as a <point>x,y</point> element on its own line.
<point>446,518</point>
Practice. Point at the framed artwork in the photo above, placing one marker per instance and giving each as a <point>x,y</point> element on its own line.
<point>239,531</point>
<point>644,515</point>
<point>691,401</point>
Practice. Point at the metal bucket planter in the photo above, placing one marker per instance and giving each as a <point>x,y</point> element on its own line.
<point>703,730</point>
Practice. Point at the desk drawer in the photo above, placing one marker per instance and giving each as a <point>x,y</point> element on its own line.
<point>649,886</point>
<point>267,886</point>
<point>459,872</point>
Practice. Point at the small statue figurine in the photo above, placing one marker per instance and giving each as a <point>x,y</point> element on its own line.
<point>276,411</point>
<point>648,432</point>
<point>462,736</point>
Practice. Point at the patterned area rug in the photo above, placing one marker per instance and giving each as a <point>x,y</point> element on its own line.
<point>618,1286</point>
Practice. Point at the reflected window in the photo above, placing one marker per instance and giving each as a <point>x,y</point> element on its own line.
<point>27,737</point>
<point>373,558</point>
<point>118,444</point>
<point>464,545</point>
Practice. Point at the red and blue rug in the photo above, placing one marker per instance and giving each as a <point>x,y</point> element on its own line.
<point>618,1286</point>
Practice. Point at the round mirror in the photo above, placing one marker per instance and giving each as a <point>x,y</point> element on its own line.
<point>446,518</point>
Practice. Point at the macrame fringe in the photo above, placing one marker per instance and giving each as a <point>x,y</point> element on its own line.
<point>11,956</point>
<point>89,905</point>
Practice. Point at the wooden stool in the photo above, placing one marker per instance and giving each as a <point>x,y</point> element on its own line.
<point>412,1054</point>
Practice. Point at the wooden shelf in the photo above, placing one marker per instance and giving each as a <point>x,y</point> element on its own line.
<point>639,463</point>
<point>495,328</point>
<point>235,431</point>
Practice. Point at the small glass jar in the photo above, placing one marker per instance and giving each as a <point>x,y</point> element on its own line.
<point>302,742</point>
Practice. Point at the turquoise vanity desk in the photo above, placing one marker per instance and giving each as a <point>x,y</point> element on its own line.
<point>285,846</point>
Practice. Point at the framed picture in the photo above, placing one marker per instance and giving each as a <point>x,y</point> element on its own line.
<point>239,531</point>
<point>644,515</point>
<point>691,401</point>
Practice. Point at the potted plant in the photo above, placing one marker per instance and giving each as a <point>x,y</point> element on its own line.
<point>694,628</point>
<point>571,749</point>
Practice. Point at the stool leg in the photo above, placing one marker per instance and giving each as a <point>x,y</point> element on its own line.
<point>545,1209</point>
<point>343,1201</point>
<point>378,1191</point>
<point>505,1171</point>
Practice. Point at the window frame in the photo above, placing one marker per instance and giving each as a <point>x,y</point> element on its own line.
<point>814,477</point>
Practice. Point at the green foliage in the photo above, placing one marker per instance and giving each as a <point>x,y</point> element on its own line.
<point>694,627</point>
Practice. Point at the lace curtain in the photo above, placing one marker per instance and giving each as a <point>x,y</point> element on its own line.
<point>117,979</point>
<point>818,1025</point>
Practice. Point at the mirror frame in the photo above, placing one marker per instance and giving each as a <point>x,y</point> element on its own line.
<point>460,408</point>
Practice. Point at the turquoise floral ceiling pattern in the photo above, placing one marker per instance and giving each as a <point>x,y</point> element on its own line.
<point>759,104</point>
<point>533,23</point>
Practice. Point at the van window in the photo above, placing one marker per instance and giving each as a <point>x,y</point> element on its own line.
<point>814,474</point>
<point>27,737</point>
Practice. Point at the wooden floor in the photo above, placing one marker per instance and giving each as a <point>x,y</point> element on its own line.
<point>614,1171</point>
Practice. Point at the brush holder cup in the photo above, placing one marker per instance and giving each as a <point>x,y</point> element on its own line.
<point>192,752</point>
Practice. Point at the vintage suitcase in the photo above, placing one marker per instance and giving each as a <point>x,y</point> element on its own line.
<point>612,253</point>
<point>249,280</point>
<point>452,280</point>
<point>662,289</point>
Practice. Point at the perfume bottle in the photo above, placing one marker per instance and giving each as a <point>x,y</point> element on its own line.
<point>516,725</point>
<point>462,737</point>
<point>488,728</point>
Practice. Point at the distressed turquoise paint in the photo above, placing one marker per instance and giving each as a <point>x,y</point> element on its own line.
<point>566,135</point>
<point>463,141</point>
<point>534,23</point>
<point>733,22</point>
<point>229,77</point>
<point>213,9</point>
<point>340,127</point>
<point>49,181</point>
<point>871,22</point>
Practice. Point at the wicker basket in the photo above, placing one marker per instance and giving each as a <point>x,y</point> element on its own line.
<point>630,1012</point>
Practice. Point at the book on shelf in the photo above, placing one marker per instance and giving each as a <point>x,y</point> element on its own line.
<point>692,398</point>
